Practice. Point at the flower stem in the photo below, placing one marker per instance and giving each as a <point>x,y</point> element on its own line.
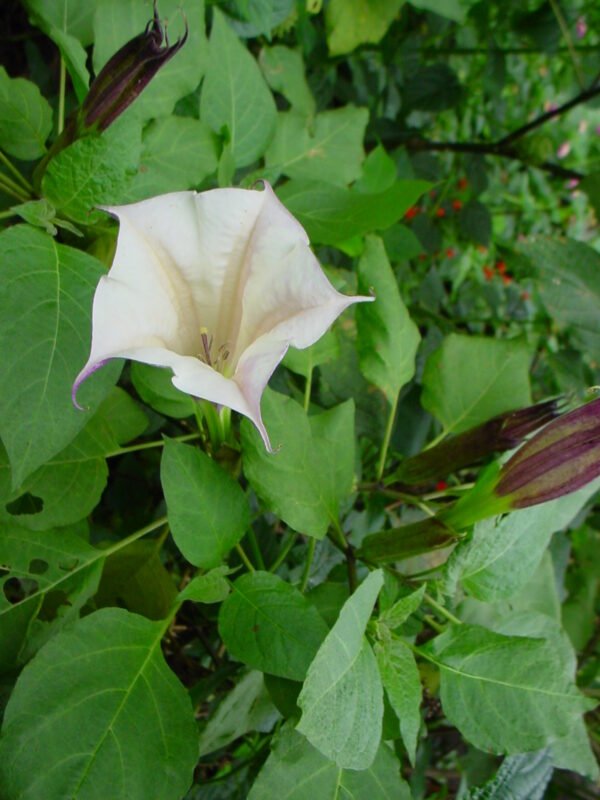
<point>62,80</point>
<point>308,564</point>
<point>11,168</point>
<point>441,610</point>
<point>308,389</point>
<point>247,563</point>
<point>386,438</point>
<point>188,437</point>
<point>9,187</point>
<point>283,553</point>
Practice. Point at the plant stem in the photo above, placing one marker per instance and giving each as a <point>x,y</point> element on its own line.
<point>283,553</point>
<point>247,563</point>
<point>308,564</point>
<point>9,187</point>
<point>258,558</point>
<point>568,41</point>
<point>387,437</point>
<point>62,82</point>
<point>11,168</point>
<point>188,437</point>
<point>433,624</point>
<point>441,610</point>
<point>308,389</point>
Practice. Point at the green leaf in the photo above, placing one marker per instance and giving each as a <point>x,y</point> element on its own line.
<point>475,222</point>
<point>93,171</point>
<point>387,337</point>
<point>208,512</point>
<point>25,118</point>
<point>326,148</point>
<point>324,350</point>
<point>351,23</point>
<point>401,680</point>
<point>332,214</point>
<point>45,346</point>
<point>396,615</point>
<point>379,172</point>
<point>246,708</point>
<point>568,279</point>
<point>136,579</point>
<point>295,770</point>
<point>342,697</point>
<point>504,552</point>
<point>284,70</point>
<point>235,96</point>
<point>262,16</point>
<point>312,470</point>
<point>58,570</point>
<point>115,23</point>
<point>70,484</point>
<point>177,154</point>
<point>269,625</point>
<point>470,379</point>
<point>506,694</point>
<point>73,725</point>
<point>521,777</point>
<point>212,587</point>
<point>455,10</point>
<point>155,387</point>
<point>40,213</point>
<point>434,87</point>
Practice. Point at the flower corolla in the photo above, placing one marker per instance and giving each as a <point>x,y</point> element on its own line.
<point>216,286</point>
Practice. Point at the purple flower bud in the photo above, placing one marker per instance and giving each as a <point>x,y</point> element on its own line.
<point>560,459</point>
<point>126,74</point>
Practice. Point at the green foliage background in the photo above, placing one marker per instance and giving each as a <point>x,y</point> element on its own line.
<point>183,621</point>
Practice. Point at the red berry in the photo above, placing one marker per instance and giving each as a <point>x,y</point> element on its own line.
<point>501,267</point>
<point>441,486</point>
<point>450,252</point>
<point>457,204</point>
<point>440,212</point>
<point>488,273</point>
<point>462,184</point>
<point>506,279</point>
<point>412,212</point>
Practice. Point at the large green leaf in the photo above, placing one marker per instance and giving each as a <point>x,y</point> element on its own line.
<point>296,770</point>
<point>45,346</point>
<point>506,694</point>
<point>97,714</point>
<point>568,279</point>
<point>247,707</point>
<point>235,96</point>
<point>387,337</point>
<point>351,23</point>
<point>504,552</point>
<point>70,484</point>
<point>311,472</point>
<point>332,214</point>
<point>470,379</point>
<point>177,153</point>
<point>522,777</point>
<point>342,696</point>
<point>116,22</point>
<point>93,171</point>
<point>401,680</point>
<point>269,625</point>
<point>208,512</point>
<point>327,147</point>
<point>25,118</point>
<point>284,70</point>
<point>155,387</point>
<point>55,568</point>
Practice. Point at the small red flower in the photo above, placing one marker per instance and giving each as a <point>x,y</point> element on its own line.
<point>488,273</point>
<point>441,486</point>
<point>412,212</point>
<point>457,204</point>
<point>501,267</point>
<point>440,212</point>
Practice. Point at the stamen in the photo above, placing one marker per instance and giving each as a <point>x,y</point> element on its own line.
<point>206,344</point>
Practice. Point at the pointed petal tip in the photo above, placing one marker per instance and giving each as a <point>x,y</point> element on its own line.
<point>83,375</point>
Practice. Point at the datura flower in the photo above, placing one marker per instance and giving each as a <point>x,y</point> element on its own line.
<point>215,285</point>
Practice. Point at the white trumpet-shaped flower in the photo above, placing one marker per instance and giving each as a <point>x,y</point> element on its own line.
<point>216,286</point>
